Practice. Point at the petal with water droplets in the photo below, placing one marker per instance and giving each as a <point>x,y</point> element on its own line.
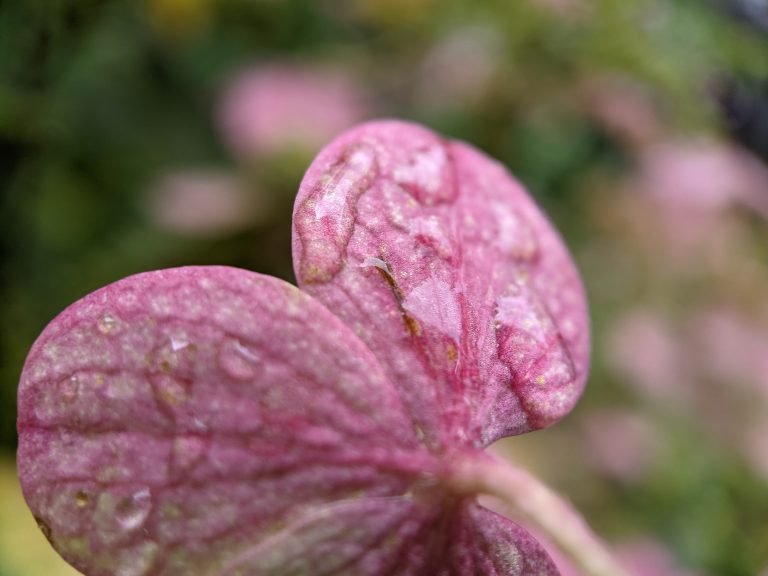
<point>172,421</point>
<point>444,266</point>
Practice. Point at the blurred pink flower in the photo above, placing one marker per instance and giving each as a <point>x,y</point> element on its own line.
<point>678,209</point>
<point>204,203</point>
<point>730,350</point>
<point>458,69</point>
<point>732,347</point>
<point>274,107</point>
<point>697,177</point>
<point>649,557</point>
<point>621,444</point>
<point>643,348</point>
<point>625,109</point>
<point>641,556</point>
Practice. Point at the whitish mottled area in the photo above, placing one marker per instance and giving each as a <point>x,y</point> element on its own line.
<point>211,421</point>
<point>451,275</point>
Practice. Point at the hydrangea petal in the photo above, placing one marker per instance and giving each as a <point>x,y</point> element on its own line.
<point>173,419</point>
<point>445,267</point>
<point>488,544</point>
<point>397,537</point>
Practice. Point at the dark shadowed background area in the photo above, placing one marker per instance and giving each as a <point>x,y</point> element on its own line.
<point>137,135</point>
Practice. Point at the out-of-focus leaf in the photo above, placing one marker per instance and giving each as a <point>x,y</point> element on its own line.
<point>23,548</point>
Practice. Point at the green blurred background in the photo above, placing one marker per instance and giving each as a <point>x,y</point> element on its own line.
<point>137,135</point>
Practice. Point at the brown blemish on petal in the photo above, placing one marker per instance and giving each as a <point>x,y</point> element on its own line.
<point>81,499</point>
<point>410,322</point>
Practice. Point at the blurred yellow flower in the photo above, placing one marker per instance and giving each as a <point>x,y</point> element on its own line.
<point>179,19</point>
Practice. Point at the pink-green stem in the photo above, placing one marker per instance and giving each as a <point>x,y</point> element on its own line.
<point>541,507</point>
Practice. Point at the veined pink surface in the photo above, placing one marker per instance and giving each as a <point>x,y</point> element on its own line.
<point>215,421</point>
<point>445,268</point>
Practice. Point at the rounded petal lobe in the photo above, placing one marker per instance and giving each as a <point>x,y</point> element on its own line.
<point>486,544</point>
<point>171,421</point>
<point>445,267</point>
<point>400,536</point>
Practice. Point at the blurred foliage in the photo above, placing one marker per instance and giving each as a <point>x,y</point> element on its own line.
<point>23,548</point>
<point>99,99</point>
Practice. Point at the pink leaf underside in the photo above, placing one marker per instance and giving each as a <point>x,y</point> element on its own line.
<point>213,421</point>
<point>446,269</point>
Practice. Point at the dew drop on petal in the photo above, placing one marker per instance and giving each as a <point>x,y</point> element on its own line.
<point>69,389</point>
<point>107,324</point>
<point>199,425</point>
<point>131,512</point>
<point>178,344</point>
<point>239,361</point>
<point>373,262</point>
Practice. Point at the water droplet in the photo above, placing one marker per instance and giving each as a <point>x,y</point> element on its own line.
<point>81,499</point>
<point>239,361</point>
<point>199,425</point>
<point>132,511</point>
<point>69,389</point>
<point>107,324</point>
<point>177,355</point>
<point>178,344</point>
<point>372,262</point>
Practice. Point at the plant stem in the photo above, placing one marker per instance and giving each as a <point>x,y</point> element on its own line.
<point>541,506</point>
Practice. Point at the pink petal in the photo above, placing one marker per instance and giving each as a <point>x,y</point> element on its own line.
<point>486,544</point>
<point>398,537</point>
<point>172,420</point>
<point>443,265</point>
